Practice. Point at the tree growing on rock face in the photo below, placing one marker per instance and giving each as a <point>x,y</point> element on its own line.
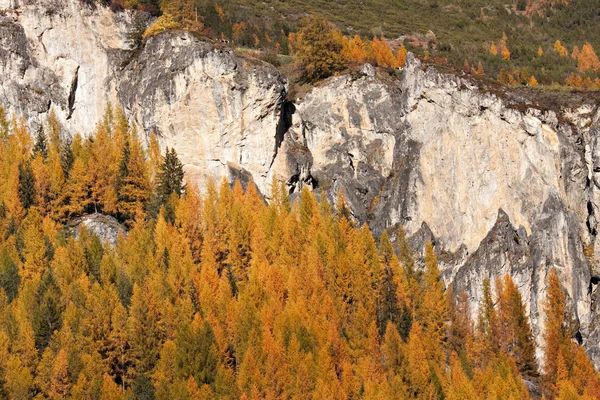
<point>401,57</point>
<point>319,48</point>
<point>355,49</point>
<point>382,53</point>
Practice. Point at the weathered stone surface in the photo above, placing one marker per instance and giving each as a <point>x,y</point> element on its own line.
<point>218,111</point>
<point>499,184</point>
<point>105,227</point>
<point>64,54</point>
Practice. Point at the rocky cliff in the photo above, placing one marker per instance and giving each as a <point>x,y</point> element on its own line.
<point>500,184</point>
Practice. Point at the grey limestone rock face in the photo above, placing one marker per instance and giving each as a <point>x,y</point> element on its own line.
<point>61,54</point>
<point>218,111</point>
<point>107,228</point>
<point>499,184</point>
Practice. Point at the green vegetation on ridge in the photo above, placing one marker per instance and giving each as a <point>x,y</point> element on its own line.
<point>463,31</point>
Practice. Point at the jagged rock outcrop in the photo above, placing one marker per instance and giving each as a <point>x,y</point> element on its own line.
<point>61,54</point>
<point>499,184</point>
<point>500,190</point>
<point>105,227</point>
<point>218,111</point>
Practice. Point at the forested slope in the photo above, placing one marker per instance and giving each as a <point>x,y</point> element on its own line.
<point>222,296</point>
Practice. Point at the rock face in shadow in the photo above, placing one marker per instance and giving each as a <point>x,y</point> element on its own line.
<point>500,185</point>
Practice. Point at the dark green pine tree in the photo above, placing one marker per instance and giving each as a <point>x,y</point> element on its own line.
<point>197,353</point>
<point>169,182</point>
<point>9,274</point>
<point>41,144</point>
<point>26,185</point>
<point>170,177</point>
<point>47,315</point>
<point>67,158</point>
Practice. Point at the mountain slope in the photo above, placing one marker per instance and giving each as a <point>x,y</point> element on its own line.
<point>499,182</point>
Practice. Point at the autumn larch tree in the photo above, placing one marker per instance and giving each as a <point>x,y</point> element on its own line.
<point>176,14</point>
<point>516,330</point>
<point>319,49</point>
<point>487,339</point>
<point>461,330</point>
<point>59,383</point>
<point>555,333</point>
<point>433,311</point>
<point>133,183</point>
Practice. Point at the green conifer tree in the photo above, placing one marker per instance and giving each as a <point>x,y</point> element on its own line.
<point>26,185</point>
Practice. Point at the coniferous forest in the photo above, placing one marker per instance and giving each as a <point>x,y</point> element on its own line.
<point>226,296</point>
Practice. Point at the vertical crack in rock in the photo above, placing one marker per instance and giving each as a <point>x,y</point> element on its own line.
<point>283,125</point>
<point>72,93</point>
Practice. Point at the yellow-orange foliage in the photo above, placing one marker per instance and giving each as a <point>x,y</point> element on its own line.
<point>401,57</point>
<point>220,11</point>
<point>177,14</point>
<point>382,53</point>
<point>480,71</point>
<point>225,296</point>
<point>237,31</point>
<point>500,48</point>
<point>574,80</point>
<point>560,49</point>
<point>504,47</point>
<point>355,49</point>
<point>532,81</point>
<point>587,59</point>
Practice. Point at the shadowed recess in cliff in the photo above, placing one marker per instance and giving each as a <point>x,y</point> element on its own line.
<point>72,93</point>
<point>283,125</point>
